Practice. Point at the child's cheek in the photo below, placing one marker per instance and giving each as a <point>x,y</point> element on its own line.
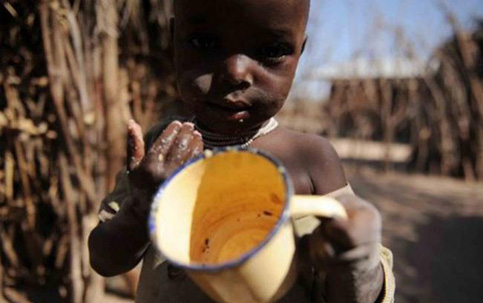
<point>193,85</point>
<point>277,87</point>
<point>203,83</point>
<point>277,81</point>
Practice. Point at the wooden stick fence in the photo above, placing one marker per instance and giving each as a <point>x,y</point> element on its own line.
<point>71,75</point>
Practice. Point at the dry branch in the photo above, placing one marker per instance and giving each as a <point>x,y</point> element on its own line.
<point>438,112</point>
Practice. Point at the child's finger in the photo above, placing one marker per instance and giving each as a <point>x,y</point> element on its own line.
<point>196,145</point>
<point>346,235</point>
<point>361,252</point>
<point>362,226</point>
<point>163,143</point>
<point>135,149</point>
<point>321,251</point>
<point>179,150</point>
<point>338,231</point>
<point>361,258</point>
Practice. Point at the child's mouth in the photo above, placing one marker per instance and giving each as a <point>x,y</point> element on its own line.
<point>231,111</point>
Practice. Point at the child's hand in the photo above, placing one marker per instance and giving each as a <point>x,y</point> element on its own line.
<point>348,251</point>
<point>178,143</point>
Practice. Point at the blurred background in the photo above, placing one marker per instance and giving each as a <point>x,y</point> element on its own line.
<point>396,85</point>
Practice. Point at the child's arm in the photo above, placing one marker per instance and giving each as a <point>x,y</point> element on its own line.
<point>347,250</point>
<point>119,243</point>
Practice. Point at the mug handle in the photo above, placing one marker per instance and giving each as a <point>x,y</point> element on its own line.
<point>319,206</point>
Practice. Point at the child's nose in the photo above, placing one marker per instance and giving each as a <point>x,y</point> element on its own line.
<point>237,71</point>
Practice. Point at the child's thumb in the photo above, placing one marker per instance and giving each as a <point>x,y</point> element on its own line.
<point>135,144</point>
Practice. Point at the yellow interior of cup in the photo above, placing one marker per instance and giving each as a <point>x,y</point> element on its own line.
<point>218,209</point>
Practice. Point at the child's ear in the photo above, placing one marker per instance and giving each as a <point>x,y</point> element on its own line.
<point>303,45</point>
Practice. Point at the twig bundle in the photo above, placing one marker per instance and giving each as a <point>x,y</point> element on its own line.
<point>71,75</point>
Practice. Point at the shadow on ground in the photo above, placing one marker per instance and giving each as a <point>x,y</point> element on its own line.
<point>435,230</point>
<point>448,260</point>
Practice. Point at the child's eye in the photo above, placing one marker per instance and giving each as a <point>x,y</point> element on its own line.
<point>275,53</point>
<point>202,42</point>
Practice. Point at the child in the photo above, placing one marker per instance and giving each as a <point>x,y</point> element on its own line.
<point>235,62</point>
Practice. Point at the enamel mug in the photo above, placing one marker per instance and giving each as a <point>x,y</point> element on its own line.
<point>226,218</point>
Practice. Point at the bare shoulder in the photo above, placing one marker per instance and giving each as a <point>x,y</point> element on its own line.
<point>318,158</point>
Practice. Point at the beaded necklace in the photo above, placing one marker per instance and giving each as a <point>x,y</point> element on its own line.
<point>213,140</point>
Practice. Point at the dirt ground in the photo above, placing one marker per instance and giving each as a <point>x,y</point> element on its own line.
<point>434,226</point>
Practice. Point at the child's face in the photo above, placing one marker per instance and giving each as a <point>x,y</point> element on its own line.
<point>236,59</point>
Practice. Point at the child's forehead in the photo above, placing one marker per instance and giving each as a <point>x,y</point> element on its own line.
<point>251,12</point>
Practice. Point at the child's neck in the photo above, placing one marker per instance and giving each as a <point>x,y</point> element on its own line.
<point>244,138</point>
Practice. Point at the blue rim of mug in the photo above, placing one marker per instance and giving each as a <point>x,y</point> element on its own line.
<point>284,217</point>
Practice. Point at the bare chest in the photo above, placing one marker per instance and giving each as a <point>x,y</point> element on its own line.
<point>296,168</point>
